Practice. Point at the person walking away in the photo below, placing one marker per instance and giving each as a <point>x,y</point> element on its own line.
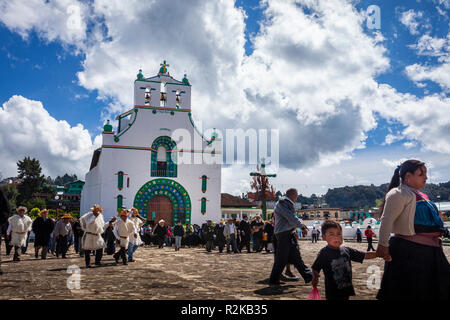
<point>287,246</point>
<point>335,261</point>
<point>42,228</point>
<point>369,236</point>
<point>123,229</point>
<point>178,232</point>
<point>62,233</point>
<point>314,235</point>
<point>416,267</point>
<point>358,235</point>
<point>19,226</point>
<point>93,225</point>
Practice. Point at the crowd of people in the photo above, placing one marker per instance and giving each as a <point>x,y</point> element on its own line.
<point>122,236</point>
<point>415,264</point>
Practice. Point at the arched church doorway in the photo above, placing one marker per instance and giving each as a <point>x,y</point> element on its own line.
<point>160,207</point>
<point>168,200</point>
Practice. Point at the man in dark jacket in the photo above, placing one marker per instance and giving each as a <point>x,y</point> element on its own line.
<point>208,231</point>
<point>220,238</point>
<point>160,233</point>
<point>4,214</point>
<point>110,238</point>
<point>42,228</point>
<point>77,237</point>
<point>178,233</point>
<point>244,229</point>
<point>287,250</point>
<point>268,230</point>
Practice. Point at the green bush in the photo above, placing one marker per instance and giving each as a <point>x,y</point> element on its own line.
<point>34,213</point>
<point>34,203</point>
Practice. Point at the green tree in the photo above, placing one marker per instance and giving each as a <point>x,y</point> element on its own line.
<point>34,203</point>
<point>30,172</point>
<point>11,194</point>
<point>34,213</point>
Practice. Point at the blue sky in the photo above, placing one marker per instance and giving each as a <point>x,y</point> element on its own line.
<point>43,67</point>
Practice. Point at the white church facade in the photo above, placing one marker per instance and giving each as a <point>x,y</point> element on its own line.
<point>145,164</point>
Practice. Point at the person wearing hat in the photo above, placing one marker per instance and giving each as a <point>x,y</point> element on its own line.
<point>135,242</point>
<point>19,226</point>
<point>62,234</point>
<point>93,225</point>
<point>230,232</point>
<point>42,228</point>
<point>208,231</point>
<point>123,229</point>
<point>220,237</point>
<point>257,233</point>
<point>160,233</point>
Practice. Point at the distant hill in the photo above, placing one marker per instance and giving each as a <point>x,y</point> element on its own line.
<point>367,196</point>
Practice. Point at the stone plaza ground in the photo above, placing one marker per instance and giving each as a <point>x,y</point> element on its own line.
<point>191,273</point>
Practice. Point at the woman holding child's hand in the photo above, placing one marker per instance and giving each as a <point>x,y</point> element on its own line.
<point>416,266</point>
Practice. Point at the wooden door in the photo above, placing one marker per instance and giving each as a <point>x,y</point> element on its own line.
<point>163,208</point>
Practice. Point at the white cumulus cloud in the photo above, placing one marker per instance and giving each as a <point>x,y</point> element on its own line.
<point>27,129</point>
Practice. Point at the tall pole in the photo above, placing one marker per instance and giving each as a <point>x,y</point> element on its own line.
<point>263,186</point>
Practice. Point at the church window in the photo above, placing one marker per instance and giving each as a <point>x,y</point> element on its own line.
<point>163,159</point>
<point>119,202</point>
<point>120,180</point>
<point>204,180</point>
<point>128,182</point>
<point>203,206</point>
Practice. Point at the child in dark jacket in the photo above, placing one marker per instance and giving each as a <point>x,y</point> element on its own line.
<point>178,232</point>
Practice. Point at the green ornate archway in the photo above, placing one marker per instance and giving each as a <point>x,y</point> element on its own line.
<point>166,187</point>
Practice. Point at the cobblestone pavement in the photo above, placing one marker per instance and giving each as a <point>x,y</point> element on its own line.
<point>191,273</point>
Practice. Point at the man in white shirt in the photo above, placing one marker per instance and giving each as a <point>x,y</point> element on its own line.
<point>123,229</point>
<point>93,225</point>
<point>135,242</point>
<point>230,235</point>
<point>19,226</point>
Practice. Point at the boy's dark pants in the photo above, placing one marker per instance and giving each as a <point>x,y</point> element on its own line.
<point>370,247</point>
<point>98,256</point>
<point>287,251</point>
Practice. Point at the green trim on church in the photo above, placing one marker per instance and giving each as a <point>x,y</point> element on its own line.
<point>166,187</point>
